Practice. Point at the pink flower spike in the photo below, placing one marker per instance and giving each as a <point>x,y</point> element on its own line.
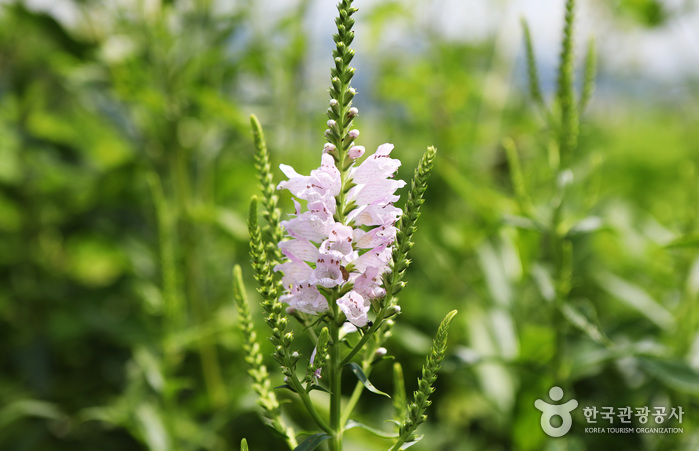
<point>355,152</point>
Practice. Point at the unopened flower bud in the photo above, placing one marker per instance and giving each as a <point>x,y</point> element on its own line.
<point>354,133</point>
<point>352,91</point>
<point>286,379</point>
<point>328,147</point>
<point>331,123</point>
<point>353,111</point>
<point>355,152</point>
<point>328,132</point>
<point>394,310</point>
<point>295,355</point>
<point>381,352</point>
<point>333,102</point>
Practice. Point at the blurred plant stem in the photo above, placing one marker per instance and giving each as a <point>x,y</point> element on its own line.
<point>564,118</point>
<point>191,271</point>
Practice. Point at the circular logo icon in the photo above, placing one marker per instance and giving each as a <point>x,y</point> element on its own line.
<point>548,411</point>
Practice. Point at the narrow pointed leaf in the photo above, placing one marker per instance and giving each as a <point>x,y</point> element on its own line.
<point>356,424</point>
<point>287,386</point>
<point>312,442</point>
<point>319,388</point>
<point>400,400</point>
<point>416,439</point>
<point>676,374</point>
<point>357,370</point>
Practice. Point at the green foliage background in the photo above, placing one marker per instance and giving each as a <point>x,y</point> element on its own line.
<point>126,168</point>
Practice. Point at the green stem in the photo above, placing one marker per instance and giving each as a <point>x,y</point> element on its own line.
<point>209,359</point>
<point>306,400</point>
<point>335,384</point>
<point>368,334</point>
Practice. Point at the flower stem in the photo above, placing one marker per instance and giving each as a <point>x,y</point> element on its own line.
<point>368,334</point>
<point>335,383</point>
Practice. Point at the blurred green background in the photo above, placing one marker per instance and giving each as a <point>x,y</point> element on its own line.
<point>126,169</point>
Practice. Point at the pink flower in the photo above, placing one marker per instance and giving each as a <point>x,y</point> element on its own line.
<point>327,273</point>
<point>355,308</point>
<point>367,284</point>
<point>305,298</point>
<point>323,252</point>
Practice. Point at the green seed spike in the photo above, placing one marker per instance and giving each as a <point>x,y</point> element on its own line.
<point>341,93</point>
<point>534,86</point>
<point>270,199</point>
<point>267,400</point>
<point>407,223</point>
<point>268,288</point>
<point>262,267</point>
<point>416,409</point>
<point>565,93</point>
<point>589,76</point>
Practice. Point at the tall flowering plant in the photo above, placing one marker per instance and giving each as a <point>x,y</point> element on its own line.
<point>336,267</point>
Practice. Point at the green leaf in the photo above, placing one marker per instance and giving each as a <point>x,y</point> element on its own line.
<point>287,386</point>
<point>312,442</point>
<point>28,408</point>
<point>357,370</point>
<point>413,441</point>
<point>319,388</point>
<point>674,373</point>
<point>586,226</point>
<point>637,298</point>
<point>575,315</point>
<point>152,428</point>
<point>543,281</point>
<point>689,240</point>
<point>352,424</point>
<point>400,400</point>
<point>521,222</point>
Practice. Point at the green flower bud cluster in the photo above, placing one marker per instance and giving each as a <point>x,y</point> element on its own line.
<point>416,409</point>
<point>408,223</point>
<point>269,289</point>
<point>319,360</point>
<point>269,201</point>
<point>267,400</point>
<point>340,112</point>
